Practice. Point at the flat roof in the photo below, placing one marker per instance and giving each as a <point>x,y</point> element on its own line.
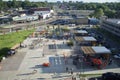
<point>101,49</point>
<point>95,50</point>
<point>113,20</point>
<point>87,38</point>
<point>82,31</point>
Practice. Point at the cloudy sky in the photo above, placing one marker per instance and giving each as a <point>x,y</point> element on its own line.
<point>101,1</point>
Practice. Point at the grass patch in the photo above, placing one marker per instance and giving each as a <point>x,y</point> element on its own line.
<point>9,40</point>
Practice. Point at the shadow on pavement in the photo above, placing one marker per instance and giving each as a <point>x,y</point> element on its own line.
<point>36,67</point>
<point>40,78</point>
<point>95,78</point>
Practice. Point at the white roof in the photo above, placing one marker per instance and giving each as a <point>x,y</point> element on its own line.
<point>82,31</point>
<point>89,38</point>
<point>101,49</point>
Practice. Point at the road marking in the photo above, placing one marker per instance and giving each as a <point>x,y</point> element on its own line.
<point>56,61</point>
<point>60,60</point>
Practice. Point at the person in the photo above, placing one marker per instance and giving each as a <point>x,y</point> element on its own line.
<point>43,55</point>
<point>110,62</point>
<point>71,71</point>
<point>66,69</point>
<point>20,44</point>
<point>66,61</point>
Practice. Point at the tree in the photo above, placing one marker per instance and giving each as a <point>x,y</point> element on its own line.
<point>98,13</point>
<point>14,4</point>
<point>110,13</point>
<point>1,5</point>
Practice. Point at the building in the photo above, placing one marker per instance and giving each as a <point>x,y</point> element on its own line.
<point>76,13</point>
<point>41,12</point>
<point>80,20</point>
<point>98,56</point>
<point>5,19</point>
<point>86,41</point>
<point>80,33</point>
<point>25,18</point>
<point>80,13</point>
<point>111,25</point>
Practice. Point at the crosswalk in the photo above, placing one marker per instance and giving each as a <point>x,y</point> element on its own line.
<point>56,61</point>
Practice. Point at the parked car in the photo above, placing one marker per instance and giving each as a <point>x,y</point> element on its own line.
<point>117,56</point>
<point>111,76</point>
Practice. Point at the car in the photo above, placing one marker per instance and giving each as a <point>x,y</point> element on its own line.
<point>117,56</point>
<point>111,76</point>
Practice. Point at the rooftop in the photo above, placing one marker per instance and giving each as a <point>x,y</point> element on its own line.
<point>89,38</point>
<point>81,31</point>
<point>40,9</point>
<point>117,21</point>
<point>101,49</point>
<point>85,39</point>
<point>95,50</point>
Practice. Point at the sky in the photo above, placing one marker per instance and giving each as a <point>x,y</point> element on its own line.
<point>100,1</point>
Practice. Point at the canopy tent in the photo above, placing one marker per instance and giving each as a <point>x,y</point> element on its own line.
<point>101,50</point>
<point>98,55</point>
<point>86,39</point>
<point>95,50</point>
<point>80,32</point>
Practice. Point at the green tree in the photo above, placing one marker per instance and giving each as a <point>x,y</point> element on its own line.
<point>1,5</point>
<point>14,3</point>
<point>110,13</point>
<point>98,13</point>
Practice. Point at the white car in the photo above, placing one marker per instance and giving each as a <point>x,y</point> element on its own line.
<point>117,56</point>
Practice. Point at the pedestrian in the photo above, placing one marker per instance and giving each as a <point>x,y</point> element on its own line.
<point>66,61</point>
<point>20,44</point>
<point>110,62</point>
<point>43,55</point>
<point>71,71</point>
<point>67,69</point>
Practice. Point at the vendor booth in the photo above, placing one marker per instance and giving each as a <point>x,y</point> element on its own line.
<point>97,55</point>
<point>86,41</point>
<point>80,33</point>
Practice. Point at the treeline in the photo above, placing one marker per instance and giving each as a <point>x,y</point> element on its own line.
<point>112,10</point>
<point>4,5</point>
